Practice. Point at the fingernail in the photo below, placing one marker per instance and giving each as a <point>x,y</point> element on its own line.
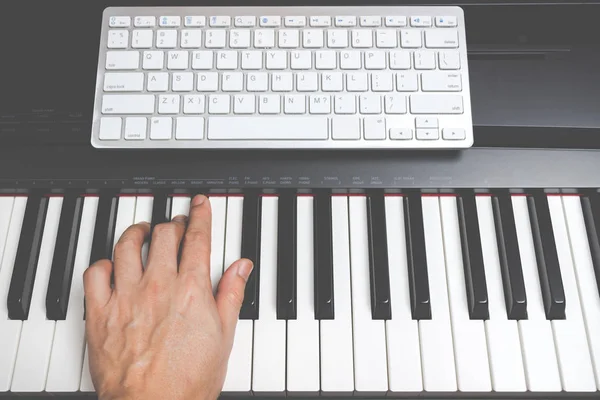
<point>198,200</point>
<point>144,223</point>
<point>180,218</point>
<point>244,269</point>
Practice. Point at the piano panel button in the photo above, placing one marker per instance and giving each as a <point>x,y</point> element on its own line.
<point>21,284</point>
<point>59,286</point>
<point>547,259</point>
<point>418,279</point>
<point>569,334</point>
<point>591,214</point>
<point>337,358</point>
<point>323,256</point>
<point>504,347</point>
<point>539,352</point>
<point>86,378</point>
<point>180,205</point>
<point>239,370</point>
<point>470,348</point>
<point>143,213</point>
<point>437,352</point>
<point>378,257</point>
<point>402,332</point>
<point>585,278</point>
<point>472,258</point>
<point>37,333</point>
<point>104,230</point>
<point>10,331</point>
<point>370,358</point>
<point>218,206</point>
<point>510,260</point>
<point>66,361</point>
<point>251,234</point>
<point>268,372</point>
<point>303,373</point>
<point>286,256</point>
<point>161,209</point>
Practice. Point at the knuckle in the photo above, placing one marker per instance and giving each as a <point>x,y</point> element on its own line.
<point>164,229</point>
<point>235,296</point>
<point>196,236</point>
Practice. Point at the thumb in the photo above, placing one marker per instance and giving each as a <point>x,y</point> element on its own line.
<point>230,294</point>
<point>96,283</point>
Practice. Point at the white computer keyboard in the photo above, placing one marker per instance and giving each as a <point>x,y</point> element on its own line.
<point>283,77</point>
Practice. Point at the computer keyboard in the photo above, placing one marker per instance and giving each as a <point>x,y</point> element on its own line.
<point>283,77</point>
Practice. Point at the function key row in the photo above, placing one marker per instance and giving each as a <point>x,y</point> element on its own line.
<point>276,21</point>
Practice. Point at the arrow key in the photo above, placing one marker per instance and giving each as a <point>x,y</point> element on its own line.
<point>428,134</point>
<point>426,122</point>
<point>453,134</point>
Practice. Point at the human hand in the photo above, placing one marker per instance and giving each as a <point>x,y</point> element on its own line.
<point>160,333</point>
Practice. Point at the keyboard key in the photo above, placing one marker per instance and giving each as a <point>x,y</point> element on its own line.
<point>433,104</point>
<point>410,39</point>
<point>118,39</point>
<point>320,21</point>
<point>218,206</point>
<point>143,213</point>
<point>370,21</point>
<point>286,256</point>
<point>195,21</point>
<point>119,22</point>
<point>245,22</point>
<point>189,128</point>
<point>122,60</point>
<point>269,21</point>
<point>378,257</point>
<point>343,21</point>
<point>161,209</point>
<point>251,249</point>
<point>267,128</point>
<point>441,38</point>
<point>124,82</point>
<point>591,213</point>
<point>144,22</point>
<point>323,260</point>
<point>220,21</point>
<point>547,258</point>
<point>395,21</point>
<point>126,104</point>
<point>104,230</point>
<point>441,81</point>
<point>446,21</point>
<point>169,21</point>
<point>166,39</point>
<point>420,21</point>
<point>294,21</point>
<point>110,128</point>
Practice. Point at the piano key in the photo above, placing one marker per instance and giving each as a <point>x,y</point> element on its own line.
<point>37,332</point>
<point>547,259</point>
<point>104,230</point>
<point>378,257</point>
<point>21,284</point>
<point>504,348</point>
<point>303,374</point>
<point>61,273</point>
<point>591,214</point>
<point>539,353</point>
<point>585,277</point>
<point>570,338</point>
<point>510,261</point>
<point>239,369</point>
<point>337,361</point>
<point>161,208</point>
<point>10,331</point>
<point>286,256</point>
<point>219,209</point>
<point>269,358</point>
<point>251,249</point>
<point>180,205</point>
<point>418,279</point>
<point>86,378</point>
<point>66,361</point>
<point>322,223</point>
<point>402,332</point>
<point>125,216</point>
<point>470,351</point>
<point>437,353</point>
<point>474,273</point>
<point>143,213</point>
<point>370,357</point>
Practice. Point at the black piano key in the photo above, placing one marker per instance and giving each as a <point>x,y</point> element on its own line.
<point>591,215</point>
<point>510,256</point>
<point>161,209</point>
<point>470,237</point>
<point>323,256</point>
<point>553,292</point>
<point>378,257</point>
<point>418,278</point>
<point>251,249</point>
<point>61,274</point>
<point>104,230</point>
<point>286,255</point>
<point>26,260</point>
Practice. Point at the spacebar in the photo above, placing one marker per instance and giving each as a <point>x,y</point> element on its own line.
<point>267,128</point>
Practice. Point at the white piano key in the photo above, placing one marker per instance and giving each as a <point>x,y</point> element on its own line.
<point>303,332</point>
<point>539,353</point>
<point>6,207</point>
<point>10,331</point>
<point>86,378</point>
<point>239,369</point>
<point>269,332</point>
<point>504,347</point>
<point>66,361</point>
<point>219,208</point>
<point>470,347</point>
<point>569,334</point>
<point>143,213</point>
<point>337,361</point>
<point>437,352</point>
<point>180,205</point>
<point>402,332</point>
<point>586,279</point>
<point>370,357</point>
<point>125,216</point>
<point>37,333</point>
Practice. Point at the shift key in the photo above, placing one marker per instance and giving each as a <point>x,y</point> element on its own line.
<point>127,104</point>
<point>436,104</point>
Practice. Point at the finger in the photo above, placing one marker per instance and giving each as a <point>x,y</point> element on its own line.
<point>195,253</point>
<point>164,248</point>
<point>230,294</point>
<point>128,256</point>
<point>96,284</point>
